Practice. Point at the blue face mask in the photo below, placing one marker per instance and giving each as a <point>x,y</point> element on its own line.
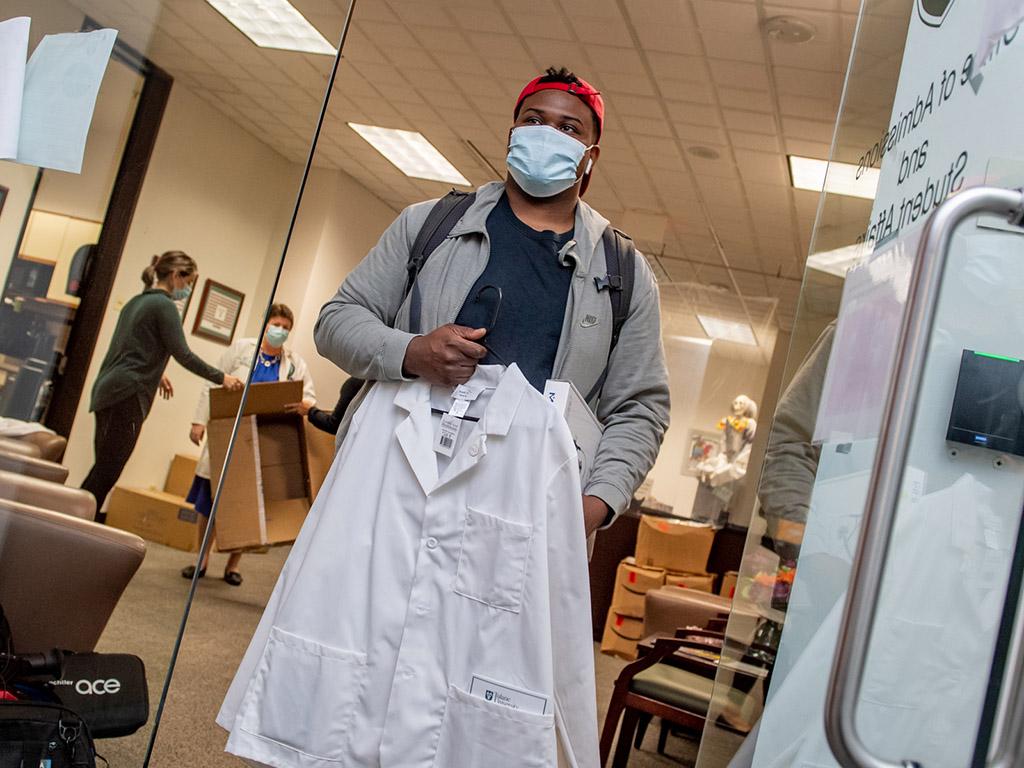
<point>276,336</point>
<point>543,160</point>
<point>180,294</point>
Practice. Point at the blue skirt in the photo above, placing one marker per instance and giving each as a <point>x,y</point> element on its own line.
<point>200,495</point>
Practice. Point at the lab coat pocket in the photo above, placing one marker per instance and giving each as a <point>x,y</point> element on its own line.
<point>304,695</point>
<point>475,732</point>
<point>493,559</point>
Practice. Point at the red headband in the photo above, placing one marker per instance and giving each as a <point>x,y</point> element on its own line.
<point>582,90</point>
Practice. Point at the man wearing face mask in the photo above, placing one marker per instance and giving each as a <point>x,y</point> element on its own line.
<point>535,239</point>
<point>273,362</point>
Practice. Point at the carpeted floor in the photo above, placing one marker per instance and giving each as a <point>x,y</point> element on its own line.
<point>221,623</point>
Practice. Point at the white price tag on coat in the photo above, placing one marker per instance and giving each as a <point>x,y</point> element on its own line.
<point>466,392</point>
<point>447,434</point>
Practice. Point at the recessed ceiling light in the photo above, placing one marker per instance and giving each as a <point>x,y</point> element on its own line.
<point>704,153</point>
<point>835,178</point>
<point>273,24</point>
<point>727,330</point>
<point>789,29</point>
<point>411,153</point>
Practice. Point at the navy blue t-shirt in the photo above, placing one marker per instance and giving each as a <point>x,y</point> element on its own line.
<point>524,263</point>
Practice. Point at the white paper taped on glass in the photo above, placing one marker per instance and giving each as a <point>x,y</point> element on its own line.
<point>46,105</point>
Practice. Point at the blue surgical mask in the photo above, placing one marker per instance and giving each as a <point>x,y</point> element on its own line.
<point>276,335</point>
<point>543,160</point>
<point>180,294</point>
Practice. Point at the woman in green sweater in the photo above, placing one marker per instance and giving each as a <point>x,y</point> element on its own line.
<point>147,334</point>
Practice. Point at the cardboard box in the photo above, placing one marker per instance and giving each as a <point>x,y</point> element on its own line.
<point>266,493</point>
<point>621,635</point>
<point>320,453</point>
<point>155,516</point>
<point>675,545</point>
<point>703,582</point>
<point>585,428</point>
<point>728,588</point>
<point>180,475</point>
<point>631,585</point>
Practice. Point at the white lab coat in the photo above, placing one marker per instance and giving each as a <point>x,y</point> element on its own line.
<point>235,362</point>
<point>413,574</point>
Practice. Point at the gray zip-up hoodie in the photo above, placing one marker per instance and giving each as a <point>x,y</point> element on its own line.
<point>364,330</point>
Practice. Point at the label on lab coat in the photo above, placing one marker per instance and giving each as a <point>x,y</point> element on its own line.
<point>464,392</point>
<point>448,434</point>
<point>507,696</point>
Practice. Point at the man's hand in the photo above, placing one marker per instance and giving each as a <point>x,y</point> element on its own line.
<point>196,433</point>
<point>595,512</point>
<point>446,356</point>
<point>232,383</point>
<point>301,408</point>
<point>166,390</point>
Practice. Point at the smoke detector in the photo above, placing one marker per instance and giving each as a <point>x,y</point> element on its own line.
<point>789,29</point>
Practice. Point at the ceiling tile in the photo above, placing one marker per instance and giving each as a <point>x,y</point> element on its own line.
<point>755,122</point>
<point>738,74</point>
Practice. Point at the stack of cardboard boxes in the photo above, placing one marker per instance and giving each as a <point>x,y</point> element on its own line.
<point>672,552</point>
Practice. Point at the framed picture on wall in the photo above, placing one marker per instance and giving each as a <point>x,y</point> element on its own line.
<point>219,308</point>
<point>3,197</point>
<point>703,445</point>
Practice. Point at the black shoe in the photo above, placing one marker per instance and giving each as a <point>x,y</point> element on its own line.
<point>189,572</point>
<point>234,578</point>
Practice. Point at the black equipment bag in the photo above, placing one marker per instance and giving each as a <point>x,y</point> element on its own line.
<point>39,735</point>
<point>108,690</point>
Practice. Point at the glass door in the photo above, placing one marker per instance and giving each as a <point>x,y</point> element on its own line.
<point>884,412</point>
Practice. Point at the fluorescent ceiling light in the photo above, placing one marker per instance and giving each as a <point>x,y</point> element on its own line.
<point>841,179</point>
<point>411,153</point>
<point>727,330</point>
<point>274,24</point>
<point>839,261</point>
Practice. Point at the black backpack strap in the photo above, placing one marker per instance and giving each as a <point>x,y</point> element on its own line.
<point>620,259</point>
<point>442,218</point>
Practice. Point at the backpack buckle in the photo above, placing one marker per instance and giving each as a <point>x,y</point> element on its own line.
<point>608,282</point>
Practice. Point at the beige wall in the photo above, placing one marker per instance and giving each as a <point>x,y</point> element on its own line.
<point>351,221</point>
<point>19,180</point>
<point>219,194</point>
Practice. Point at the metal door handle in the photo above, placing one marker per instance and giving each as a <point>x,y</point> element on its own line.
<point>887,474</point>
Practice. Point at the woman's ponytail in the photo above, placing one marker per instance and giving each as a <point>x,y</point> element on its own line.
<point>171,262</point>
<point>149,273</point>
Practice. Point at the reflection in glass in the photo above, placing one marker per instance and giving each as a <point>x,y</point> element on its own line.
<point>171,164</point>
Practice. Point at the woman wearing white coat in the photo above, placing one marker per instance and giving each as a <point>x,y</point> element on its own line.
<point>274,363</point>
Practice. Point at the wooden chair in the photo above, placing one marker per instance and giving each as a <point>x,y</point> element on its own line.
<point>658,685</point>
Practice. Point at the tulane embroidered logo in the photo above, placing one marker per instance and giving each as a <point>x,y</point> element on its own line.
<point>934,12</point>
<point>489,695</point>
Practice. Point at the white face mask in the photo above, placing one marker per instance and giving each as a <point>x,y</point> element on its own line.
<point>543,160</point>
<point>276,335</point>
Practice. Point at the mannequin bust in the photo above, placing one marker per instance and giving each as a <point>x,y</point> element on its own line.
<point>739,427</point>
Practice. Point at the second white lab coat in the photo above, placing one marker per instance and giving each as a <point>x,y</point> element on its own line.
<point>414,574</point>
<point>236,361</point>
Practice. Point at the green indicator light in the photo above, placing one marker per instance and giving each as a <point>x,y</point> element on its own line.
<point>998,357</point>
